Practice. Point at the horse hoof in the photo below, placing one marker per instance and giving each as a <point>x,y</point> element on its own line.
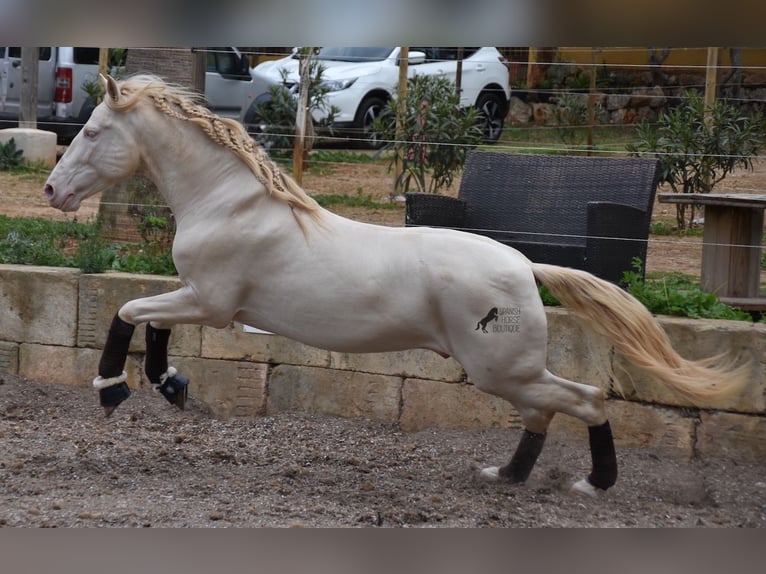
<point>176,390</point>
<point>491,473</point>
<point>585,488</point>
<point>110,397</point>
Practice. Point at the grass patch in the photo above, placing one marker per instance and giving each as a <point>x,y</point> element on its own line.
<point>358,200</point>
<point>537,139</point>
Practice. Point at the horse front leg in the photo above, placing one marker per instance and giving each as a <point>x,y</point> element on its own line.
<point>111,380</point>
<point>160,313</point>
<point>166,380</point>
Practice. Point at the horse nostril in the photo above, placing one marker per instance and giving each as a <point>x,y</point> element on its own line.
<point>48,190</point>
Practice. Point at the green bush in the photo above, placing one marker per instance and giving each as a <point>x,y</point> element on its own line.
<point>278,115</point>
<point>36,241</point>
<point>10,155</point>
<point>676,294</point>
<point>668,294</point>
<point>699,147</point>
<point>571,117</point>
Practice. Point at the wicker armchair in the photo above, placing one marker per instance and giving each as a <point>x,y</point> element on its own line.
<point>590,213</point>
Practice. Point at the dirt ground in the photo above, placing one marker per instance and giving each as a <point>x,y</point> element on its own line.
<point>63,465</point>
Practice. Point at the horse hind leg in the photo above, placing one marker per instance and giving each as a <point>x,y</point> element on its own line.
<point>537,403</point>
<point>166,380</point>
<point>527,451</point>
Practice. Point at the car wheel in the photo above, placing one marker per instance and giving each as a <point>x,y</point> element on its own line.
<point>491,108</point>
<point>369,109</point>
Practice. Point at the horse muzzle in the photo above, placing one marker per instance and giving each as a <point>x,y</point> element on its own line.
<point>61,201</point>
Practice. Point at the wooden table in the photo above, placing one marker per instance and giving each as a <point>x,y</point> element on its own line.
<point>731,245</point>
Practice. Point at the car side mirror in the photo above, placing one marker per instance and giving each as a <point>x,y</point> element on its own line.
<point>416,57</point>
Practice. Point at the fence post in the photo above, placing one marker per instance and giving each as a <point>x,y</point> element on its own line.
<point>28,92</point>
<point>401,112</point>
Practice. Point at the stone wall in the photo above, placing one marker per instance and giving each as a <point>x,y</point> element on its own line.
<point>53,322</point>
<point>626,105</point>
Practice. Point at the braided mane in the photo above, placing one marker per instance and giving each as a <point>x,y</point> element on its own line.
<point>183,104</point>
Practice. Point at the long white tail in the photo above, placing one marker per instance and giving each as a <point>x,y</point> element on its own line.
<point>609,310</point>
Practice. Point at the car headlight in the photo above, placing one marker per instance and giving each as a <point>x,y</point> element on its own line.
<point>338,85</point>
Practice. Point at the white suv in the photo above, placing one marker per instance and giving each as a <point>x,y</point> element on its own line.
<point>362,80</point>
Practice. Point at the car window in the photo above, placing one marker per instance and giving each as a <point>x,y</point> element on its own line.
<point>86,56</point>
<point>432,54</point>
<point>367,54</point>
<point>43,54</point>
<point>222,61</point>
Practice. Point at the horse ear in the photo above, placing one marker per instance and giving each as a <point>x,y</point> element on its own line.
<point>110,86</point>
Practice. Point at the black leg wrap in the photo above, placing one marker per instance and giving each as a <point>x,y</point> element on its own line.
<point>175,389</point>
<point>113,395</point>
<point>520,467</point>
<point>156,363</point>
<point>112,363</point>
<point>604,473</point>
<point>116,347</point>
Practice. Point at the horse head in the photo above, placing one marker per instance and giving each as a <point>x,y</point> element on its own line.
<point>102,154</point>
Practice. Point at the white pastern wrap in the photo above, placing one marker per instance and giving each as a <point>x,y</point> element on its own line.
<point>491,473</point>
<point>586,488</point>
<point>170,373</point>
<point>101,383</point>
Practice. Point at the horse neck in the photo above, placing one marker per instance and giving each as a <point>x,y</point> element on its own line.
<point>188,168</point>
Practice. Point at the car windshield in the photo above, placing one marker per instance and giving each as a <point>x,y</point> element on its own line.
<point>365,54</point>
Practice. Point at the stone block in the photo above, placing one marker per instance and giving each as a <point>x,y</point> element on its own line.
<point>617,101</point>
<point>9,357</point>
<point>231,389</point>
<point>233,343</point>
<point>331,392</point>
<point>38,304</point>
<point>735,436</point>
<point>427,404</point>
<point>69,365</point>
<point>576,352</point>
<point>698,339</point>
<point>102,295</point>
<point>417,363</point>
<point>39,146</point>
<point>637,426</point>
<point>519,111</point>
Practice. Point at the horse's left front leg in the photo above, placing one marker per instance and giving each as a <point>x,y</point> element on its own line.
<point>160,313</point>
<point>166,380</point>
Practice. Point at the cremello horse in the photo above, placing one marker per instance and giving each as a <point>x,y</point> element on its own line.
<point>251,246</point>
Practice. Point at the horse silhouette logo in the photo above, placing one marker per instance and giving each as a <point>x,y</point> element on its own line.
<point>491,316</point>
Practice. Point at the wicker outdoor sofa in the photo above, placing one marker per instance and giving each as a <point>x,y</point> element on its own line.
<point>590,213</point>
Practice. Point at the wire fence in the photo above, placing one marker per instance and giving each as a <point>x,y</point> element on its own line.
<point>533,137</point>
